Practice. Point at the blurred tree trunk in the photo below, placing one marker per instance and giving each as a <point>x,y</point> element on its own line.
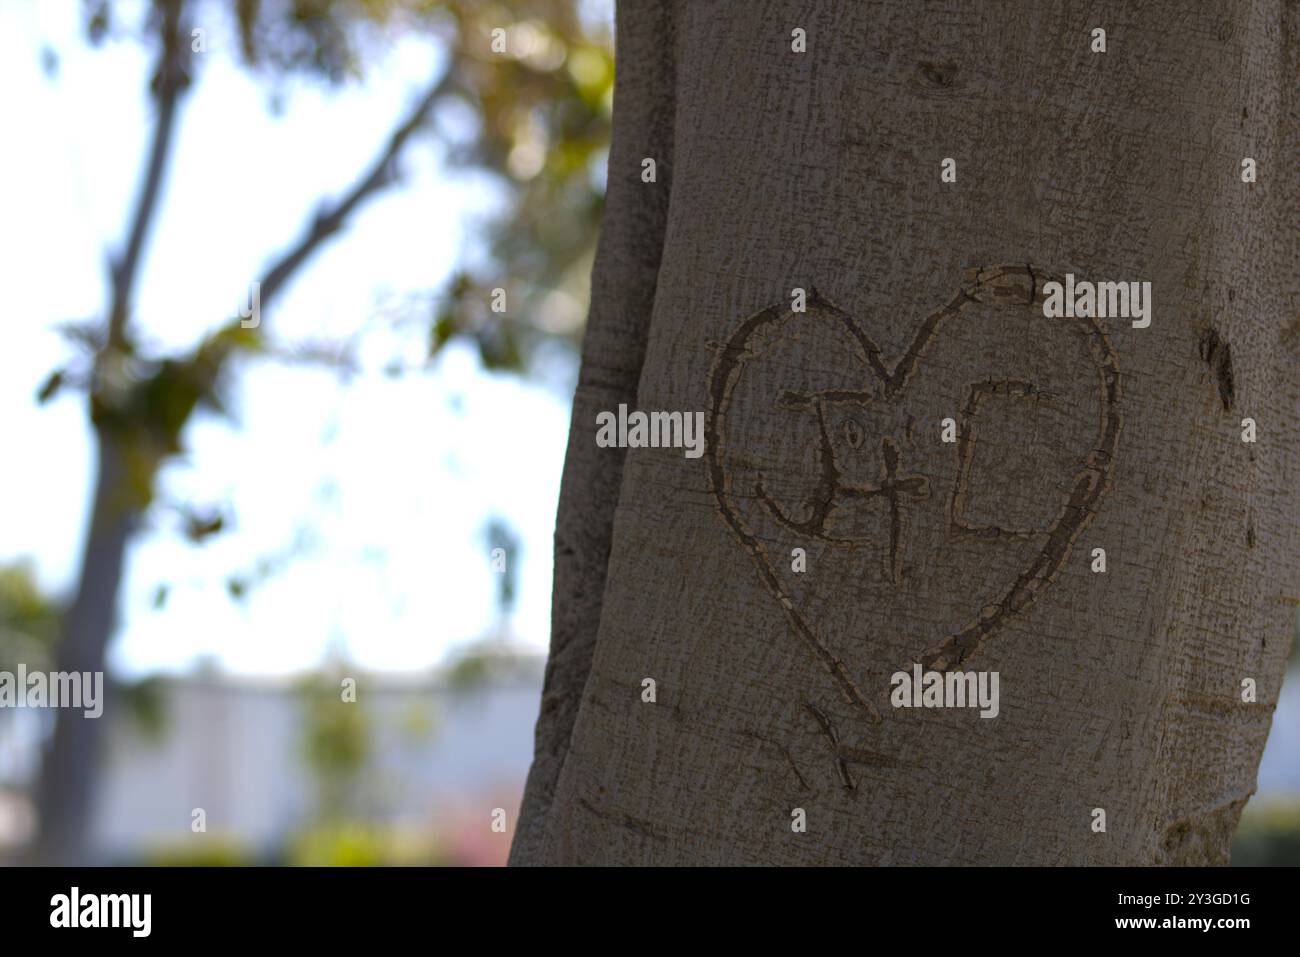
<point>66,793</point>
<point>123,482</point>
<point>1121,691</point>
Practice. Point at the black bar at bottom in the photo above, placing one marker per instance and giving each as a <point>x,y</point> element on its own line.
<point>559,907</point>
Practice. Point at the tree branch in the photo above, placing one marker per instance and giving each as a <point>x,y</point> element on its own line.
<point>203,367</point>
<point>330,220</point>
<point>169,83</point>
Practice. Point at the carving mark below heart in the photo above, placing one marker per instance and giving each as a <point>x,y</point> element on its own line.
<point>1010,285</point>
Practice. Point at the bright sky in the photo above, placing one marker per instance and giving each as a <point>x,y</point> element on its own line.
<point>393,479</point>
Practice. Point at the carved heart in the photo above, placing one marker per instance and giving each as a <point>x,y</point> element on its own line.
<point>819,484</point>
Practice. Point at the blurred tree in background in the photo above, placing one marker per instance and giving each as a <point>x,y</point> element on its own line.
<point>336,743</point>
<point>533,78</point>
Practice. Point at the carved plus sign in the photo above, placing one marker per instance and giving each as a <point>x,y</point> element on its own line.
<point>893,487</point>
<point>832,488</point>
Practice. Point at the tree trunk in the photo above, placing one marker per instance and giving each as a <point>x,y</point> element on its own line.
<point>945,457</point>
<point>65,799</point>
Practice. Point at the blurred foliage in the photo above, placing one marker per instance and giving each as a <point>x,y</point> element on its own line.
<point>29,618</point>
<point>347,844</point>
<point>355,844</point>
<point>144,702</point>
<point>323,38</point>
<point>203,850</point>
<point>327,844</point>
<point>336,742</point>
<point>1269,835</point>
<point>542,112</point>
<point>489,662</point>
<point>418,723</point>
<point>24,607</point>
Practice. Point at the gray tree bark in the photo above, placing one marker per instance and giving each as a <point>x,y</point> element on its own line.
<point>1120,690</point>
